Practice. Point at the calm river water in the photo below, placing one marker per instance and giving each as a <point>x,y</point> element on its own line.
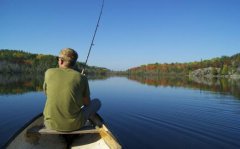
<point>143,113</point>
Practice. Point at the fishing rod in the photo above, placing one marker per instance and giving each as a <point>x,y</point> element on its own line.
<point>92,44</point>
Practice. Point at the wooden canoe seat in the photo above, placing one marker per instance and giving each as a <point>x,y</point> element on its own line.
<point>44,130</point>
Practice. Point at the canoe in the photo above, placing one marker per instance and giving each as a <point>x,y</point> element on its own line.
<point>35,136</point>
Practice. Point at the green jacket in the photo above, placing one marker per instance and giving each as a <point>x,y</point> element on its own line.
<point>65,89</point>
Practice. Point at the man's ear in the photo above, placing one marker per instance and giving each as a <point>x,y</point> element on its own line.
<point>61,61</point>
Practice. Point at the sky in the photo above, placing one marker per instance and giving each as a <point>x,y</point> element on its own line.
<point>131,32</point>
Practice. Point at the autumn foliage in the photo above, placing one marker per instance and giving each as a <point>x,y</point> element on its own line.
<point>16,61</point>
<point>228,65</point>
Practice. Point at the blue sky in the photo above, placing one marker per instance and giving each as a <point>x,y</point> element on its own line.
<point>131,32</point>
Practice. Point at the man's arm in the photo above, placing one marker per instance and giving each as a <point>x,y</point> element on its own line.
<point>86,93</point>
<point>45,88</point>
<point>44,83</point>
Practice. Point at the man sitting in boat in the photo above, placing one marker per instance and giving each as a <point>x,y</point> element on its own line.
<point>68,105</point>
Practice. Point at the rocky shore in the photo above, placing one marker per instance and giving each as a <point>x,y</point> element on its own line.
<point>212,72</point>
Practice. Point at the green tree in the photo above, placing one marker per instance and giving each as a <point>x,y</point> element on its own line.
<point>224,70</point>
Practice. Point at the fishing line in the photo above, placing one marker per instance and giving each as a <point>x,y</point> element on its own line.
<point>92,42</point>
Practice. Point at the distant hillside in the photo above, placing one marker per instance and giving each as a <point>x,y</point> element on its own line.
<point>224,65</point>
<point>16,61</point>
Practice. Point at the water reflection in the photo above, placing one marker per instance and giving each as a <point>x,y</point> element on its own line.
<point>18,84</point>
<point>222,85</point>
<point>22,83</point>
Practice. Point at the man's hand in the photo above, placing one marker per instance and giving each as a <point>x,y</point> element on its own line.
<point>86,101</point>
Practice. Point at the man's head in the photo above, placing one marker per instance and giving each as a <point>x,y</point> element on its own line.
<point>67,57</point>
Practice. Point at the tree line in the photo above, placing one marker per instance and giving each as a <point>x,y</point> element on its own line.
<point>18,61</point>
<point>227,65</point>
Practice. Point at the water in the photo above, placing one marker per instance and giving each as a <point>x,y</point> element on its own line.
<point>147,114</point>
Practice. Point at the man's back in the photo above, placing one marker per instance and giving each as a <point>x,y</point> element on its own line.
<point>65,89</point>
